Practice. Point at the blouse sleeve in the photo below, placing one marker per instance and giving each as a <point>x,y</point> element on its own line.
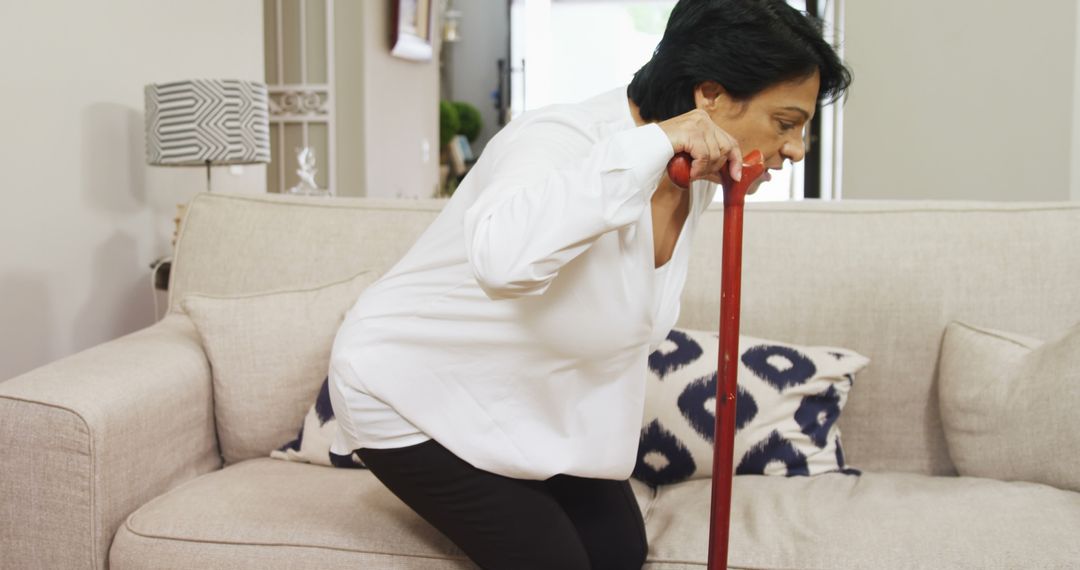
<point>552,191</point>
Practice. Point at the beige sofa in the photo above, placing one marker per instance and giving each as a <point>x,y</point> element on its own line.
<point>110,457</point>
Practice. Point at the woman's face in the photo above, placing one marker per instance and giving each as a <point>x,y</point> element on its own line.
<point>773,121</point>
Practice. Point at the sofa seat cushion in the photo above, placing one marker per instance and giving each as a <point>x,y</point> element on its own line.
<point>266,513</point>
<point>880,520</point>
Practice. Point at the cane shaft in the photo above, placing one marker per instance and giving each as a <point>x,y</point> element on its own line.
<point>728,364</point>
<point>726,384</point>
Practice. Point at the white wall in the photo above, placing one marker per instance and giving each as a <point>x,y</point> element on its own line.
<point>963,99</point>
<point>349,56</point>
<point>82,214</point>
<point>400,113</point>
<point>1076,113</point>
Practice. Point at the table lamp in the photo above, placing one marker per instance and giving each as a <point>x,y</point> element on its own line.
<point>206,122</point>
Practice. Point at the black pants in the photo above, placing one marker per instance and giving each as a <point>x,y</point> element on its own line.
<point>563,523</point>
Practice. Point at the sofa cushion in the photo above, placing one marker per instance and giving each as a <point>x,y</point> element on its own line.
<point>1009,405</point>
<point>275,514</point>
<point>265,513</point>
<point>881,520</point>
<point>789,398</point>
<point>884,279</point>
<point>268,353</point>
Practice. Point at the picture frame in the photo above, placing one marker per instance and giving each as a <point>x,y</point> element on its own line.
<point>411,25</point>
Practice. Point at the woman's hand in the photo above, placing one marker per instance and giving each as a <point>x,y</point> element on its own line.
<point>710,146</point>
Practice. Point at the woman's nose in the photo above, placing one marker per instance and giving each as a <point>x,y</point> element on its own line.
<point>794,149</point>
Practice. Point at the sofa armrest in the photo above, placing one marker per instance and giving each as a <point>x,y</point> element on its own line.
<point>89,438</point>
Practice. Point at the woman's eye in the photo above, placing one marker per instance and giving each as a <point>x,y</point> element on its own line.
<point>786,126</point>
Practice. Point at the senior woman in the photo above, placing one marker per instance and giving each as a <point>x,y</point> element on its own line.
<point>494,378</point>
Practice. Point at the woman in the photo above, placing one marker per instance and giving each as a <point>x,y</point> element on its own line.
<point>493,379</point>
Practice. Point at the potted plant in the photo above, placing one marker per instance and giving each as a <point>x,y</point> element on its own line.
<point>456,118</point>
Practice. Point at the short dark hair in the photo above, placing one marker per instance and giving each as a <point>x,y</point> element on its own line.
<point>744,45</point>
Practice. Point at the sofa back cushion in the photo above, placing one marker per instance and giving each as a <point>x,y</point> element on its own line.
<point>880,278</point>
<point>268,354</point>
<point>232,244</point>
<point>1008,404</point>
<point>884,279</point>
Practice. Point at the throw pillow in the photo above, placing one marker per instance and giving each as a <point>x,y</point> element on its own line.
<point>789,398</point>
<point>312,443</point>
<point>1008,404</point>
<point>267,352</point>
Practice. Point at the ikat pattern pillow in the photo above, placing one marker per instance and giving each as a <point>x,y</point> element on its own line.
<point>312,443</point>
<point>789,398</point>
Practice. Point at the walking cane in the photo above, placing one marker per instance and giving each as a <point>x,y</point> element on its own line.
<point>728,365</point>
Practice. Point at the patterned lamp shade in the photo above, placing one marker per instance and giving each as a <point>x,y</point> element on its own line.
<point>207,121</point>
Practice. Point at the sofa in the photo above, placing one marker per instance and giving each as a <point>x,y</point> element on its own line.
<point>111,456</point>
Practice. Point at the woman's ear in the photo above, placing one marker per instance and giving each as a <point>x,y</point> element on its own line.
<point>708,95</point>
<point>711,97</point>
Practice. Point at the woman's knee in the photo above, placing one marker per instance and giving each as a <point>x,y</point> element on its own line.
<point>624,546</point>
<point>566,556</point>
<point>629,556</point>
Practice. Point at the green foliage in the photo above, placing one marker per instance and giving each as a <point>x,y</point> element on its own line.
<point>471,123</point>
<point>449,122</point>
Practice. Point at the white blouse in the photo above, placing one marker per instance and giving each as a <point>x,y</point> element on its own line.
<point>516,330</point>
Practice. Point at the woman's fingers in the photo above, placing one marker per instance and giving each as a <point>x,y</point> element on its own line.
<point>710,147</point>
<point>721,149</point>
<point>735,159</point>
<point>714,157</point>
<point>729,153</point>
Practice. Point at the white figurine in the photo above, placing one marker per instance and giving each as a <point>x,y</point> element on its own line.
<point>305,157</point>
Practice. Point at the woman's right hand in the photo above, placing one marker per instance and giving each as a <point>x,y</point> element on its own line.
<point>710,146</point>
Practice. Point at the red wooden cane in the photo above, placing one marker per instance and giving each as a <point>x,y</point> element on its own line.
<point>726,385</point>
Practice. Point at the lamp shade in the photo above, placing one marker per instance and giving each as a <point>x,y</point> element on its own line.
<point>202,121</point>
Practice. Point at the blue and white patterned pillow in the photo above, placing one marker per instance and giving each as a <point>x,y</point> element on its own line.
<point>312,443</point>
<point>789,398</point>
